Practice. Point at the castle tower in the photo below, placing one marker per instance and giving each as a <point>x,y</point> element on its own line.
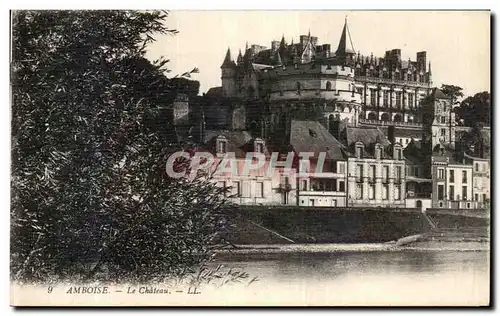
<point>228,76</point>
<point>443,124</point>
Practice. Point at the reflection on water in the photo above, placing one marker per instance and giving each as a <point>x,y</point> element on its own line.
<point>374,277</point>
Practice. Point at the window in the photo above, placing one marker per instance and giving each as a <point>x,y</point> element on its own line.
<point>359,172</point>
<point>410,99</point>
<point>464,176</point>
<point>452,176</point>
<point>359,191</point>
<point>371,192</point>
<point>304,185</point>
<point>386,97</point>
<point>341,167</point>
<point>259,147</point>
<point>341,186</point>
<point>328,85</point>
<point>443,132</point>
<point>452,192</point>
<point>259,192</point>
<point>407,141</point>
<point>297,85</point>
<point>385,173</point>
<point>443,119</point>
<point>373,97</point>
<point>477,166</point>
<point>476,197</point>
<point>440,204</point>
<point>416,170</point>
<point>359,151</point>
<point>221,145</point>
<point>373,173</point>
<point>440,174</point>
<point>468,205</point>
<point>397,192</point>
<point>440,192</point>
<point>464,192</point>
<point>398,99</point>
<point>385,192</point>
<point>377,151</point>
<point>398,153</point>
<point>398,173</point>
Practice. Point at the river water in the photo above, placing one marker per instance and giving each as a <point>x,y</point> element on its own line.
<point>370,274</point>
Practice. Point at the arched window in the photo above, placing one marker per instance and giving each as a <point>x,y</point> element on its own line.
<point>385,117</point>
<point>397,118</point>
<point>328,86</point>
<point>372,116</point>
<point>221,144</point>
<point>297,86</point>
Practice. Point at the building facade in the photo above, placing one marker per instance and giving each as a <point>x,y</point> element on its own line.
<point>361,119</point>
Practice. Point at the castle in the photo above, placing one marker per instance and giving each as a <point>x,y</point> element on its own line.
<point>365,112</point>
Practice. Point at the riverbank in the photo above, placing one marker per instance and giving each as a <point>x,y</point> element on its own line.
<point>304,225</point>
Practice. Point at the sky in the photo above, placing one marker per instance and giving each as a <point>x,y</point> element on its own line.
<point>457,42</point>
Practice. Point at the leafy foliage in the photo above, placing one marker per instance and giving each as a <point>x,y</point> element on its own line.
<point>455,92</point>
<point>475,110</point>
<point>90,138</point>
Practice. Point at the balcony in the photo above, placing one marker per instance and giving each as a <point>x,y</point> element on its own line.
<point>392,81</point>
<point>390,123</point>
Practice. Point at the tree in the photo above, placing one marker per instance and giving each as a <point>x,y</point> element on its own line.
<point>475,110</point>
<point>455,92</point>
<point>90,197</point>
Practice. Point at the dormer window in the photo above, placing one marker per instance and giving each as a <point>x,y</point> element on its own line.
<point>221,144</point>
<point>398,152</point>
<point>259,145</point>
<point>359,150</point>
<point>378,151</point>
<point>328,86</point>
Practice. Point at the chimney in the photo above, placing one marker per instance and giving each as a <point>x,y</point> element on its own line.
<point>422,61</point>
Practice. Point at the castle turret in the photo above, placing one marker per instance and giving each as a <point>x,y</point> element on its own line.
<point>239,60</point>
<point>228,76</point>
<point>345,52</point>
<point>429,74</point>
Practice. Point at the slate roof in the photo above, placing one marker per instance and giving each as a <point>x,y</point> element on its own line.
<point>367,135</point>
<point>407,133</point>
<point>438,94</point>
<point>311,136</point>
<point>446,152</point>
<point>238,142</point>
